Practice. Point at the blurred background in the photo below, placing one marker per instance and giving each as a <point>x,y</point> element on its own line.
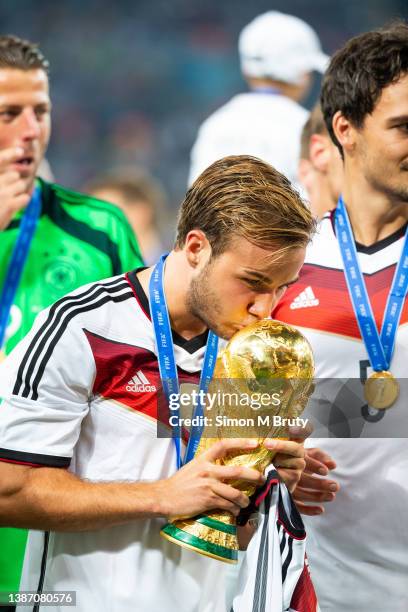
<point>131,81</point>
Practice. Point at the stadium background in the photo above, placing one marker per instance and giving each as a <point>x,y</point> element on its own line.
<point>132,80</point>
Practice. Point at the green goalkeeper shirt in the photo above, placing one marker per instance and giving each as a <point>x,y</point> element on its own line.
<point>78,239</point>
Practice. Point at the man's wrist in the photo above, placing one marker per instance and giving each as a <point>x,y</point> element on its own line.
<point>155,499</point>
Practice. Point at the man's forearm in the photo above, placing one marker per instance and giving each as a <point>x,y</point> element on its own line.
<point>53,499</point>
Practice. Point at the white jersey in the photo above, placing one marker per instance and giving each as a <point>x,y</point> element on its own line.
<point>265,125</point>
<point>274,575</point>
<point>358,548</point>
<point>80,392</point>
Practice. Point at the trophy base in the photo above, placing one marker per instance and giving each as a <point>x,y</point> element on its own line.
<point>205,536</point>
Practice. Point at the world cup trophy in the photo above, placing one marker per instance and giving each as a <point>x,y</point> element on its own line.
<point>267,359</point>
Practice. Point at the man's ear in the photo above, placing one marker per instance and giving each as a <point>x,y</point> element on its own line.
<point>197,248</point>
<point>319,152</point>
<point>344,131</point>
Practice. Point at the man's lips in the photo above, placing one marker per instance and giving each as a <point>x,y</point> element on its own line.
<point>25,163</point>
<point>26,160</point>
<point>242,326</point>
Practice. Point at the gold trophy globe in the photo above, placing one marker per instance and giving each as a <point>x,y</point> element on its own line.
<point>269,359</point>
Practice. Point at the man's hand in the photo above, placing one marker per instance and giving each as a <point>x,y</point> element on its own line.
<point>289,460</point>
<point>202,485</point>
<point>13,195</point>
<point>311,488</point>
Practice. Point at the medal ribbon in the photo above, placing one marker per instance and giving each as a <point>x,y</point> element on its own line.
<point>380,348</point>
<point>274,91</point>
<point>18,259</point>
<point>167,361</point>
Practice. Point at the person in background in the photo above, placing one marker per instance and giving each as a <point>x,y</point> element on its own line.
<point>142,200</point>
<point>320,165</point>
<point>52,240</point>
<point>352,287</point>
<point>278,54</point>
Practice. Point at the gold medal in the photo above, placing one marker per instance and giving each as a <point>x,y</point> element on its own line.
<point>381,390</point>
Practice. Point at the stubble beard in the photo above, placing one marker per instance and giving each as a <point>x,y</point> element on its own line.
<point>397,193</point>
<point>202,302</point>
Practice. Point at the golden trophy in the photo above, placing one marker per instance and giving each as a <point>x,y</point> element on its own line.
<point>267,359</point>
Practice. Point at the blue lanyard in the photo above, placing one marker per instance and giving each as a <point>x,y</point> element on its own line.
<point>273,91</point>
<point>380,348</point>
<point>17,261</point>
<point>167,362</point>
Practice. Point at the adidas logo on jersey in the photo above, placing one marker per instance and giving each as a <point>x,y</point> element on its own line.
<point>140,384</point>
<point>305,299</point>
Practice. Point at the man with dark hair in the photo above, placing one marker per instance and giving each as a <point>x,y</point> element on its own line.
<point>52,240</point>
<point>351,303</point>
<point>320,165</point>
<point>22,56</point>
<point>241,240</point>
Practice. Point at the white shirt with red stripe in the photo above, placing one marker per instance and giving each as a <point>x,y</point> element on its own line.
<point>274,575</point>
<point>358,548</point>
<point>80,392</point>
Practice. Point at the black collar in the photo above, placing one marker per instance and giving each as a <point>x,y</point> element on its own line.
<point>192,345</point>
<point>377,246</point>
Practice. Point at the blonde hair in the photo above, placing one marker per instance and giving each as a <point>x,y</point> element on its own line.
<point>242,196</point>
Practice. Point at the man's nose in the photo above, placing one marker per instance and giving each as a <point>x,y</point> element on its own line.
<point>30,125</point>
<point>262,305</point>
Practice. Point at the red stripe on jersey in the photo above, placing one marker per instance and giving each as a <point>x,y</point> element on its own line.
<point>304,596</point>
<point>130,375</point>
<point>334,312</point>
<point>261,497</point>
<point>22,463</point>
<point>292,535</point>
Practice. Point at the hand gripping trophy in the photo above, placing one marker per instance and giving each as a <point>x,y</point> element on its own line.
<point>267,359</point>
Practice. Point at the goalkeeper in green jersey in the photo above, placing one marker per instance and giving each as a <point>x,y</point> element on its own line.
<point>52,240</point>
